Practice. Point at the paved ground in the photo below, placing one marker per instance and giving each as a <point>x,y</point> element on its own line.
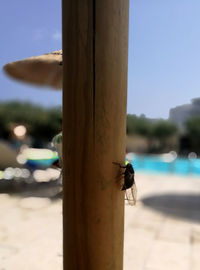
<point>161,233</point>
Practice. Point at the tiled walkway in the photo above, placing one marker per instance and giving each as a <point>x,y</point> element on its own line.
<point>161,233</point>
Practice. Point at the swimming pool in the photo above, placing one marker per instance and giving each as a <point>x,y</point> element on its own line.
<point>151,163</point>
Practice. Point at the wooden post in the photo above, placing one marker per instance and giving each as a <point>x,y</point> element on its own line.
<point>95,46</point>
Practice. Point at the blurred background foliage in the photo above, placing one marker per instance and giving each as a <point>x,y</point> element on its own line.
<point>147,135</point>
<point>41,123</point>
<point>150,128</point>
<point>161,135</point>
<point>192,134</point>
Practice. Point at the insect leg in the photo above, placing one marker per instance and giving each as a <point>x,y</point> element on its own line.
<point>120,175</point>
<point>118,164</point>
<point>119,180</point>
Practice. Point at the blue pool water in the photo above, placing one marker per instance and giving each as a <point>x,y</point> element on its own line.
<point>182,166</point>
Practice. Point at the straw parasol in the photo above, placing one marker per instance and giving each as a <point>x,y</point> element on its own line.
<point>43,70</point>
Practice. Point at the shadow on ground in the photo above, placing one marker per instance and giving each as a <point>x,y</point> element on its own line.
<point>51,189</point>
<point>185,206</point>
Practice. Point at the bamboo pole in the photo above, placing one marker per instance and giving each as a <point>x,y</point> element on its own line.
<point>95,45</point>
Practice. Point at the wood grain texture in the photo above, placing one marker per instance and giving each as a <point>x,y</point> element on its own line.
<point>95,46</point>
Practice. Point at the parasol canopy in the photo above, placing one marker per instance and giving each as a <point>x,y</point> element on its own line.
<point>43,70</point>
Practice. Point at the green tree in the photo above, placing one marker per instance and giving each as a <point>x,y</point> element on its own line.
<point>162,130</point>
<point>192,129</point>
<point>156,132</point>
<point>139,125</point>
<point>41,123</point>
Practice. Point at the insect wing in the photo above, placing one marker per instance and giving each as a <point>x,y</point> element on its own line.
<point>131,195</point>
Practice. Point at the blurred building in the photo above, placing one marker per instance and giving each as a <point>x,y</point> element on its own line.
<point>181,114</point>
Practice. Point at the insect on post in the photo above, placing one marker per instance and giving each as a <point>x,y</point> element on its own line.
<point>129,185</point>
<point>95,53</point>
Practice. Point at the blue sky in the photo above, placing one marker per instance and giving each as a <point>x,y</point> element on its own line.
<point>164,45</point>
<point>28,28</point>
